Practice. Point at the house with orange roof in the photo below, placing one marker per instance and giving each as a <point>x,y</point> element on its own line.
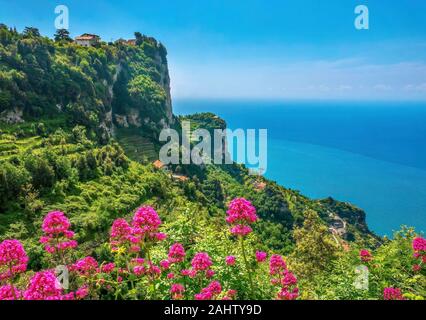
<point>87,40</point>
<point>158,165</point>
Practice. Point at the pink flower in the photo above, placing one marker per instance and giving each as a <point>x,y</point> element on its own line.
<point>185,272</point>
<point>43,286</point>
<point>108,268</point>
<point>165,264</point>
<point>57,236</point>
<point>68,297</point>
<point>419,244</point>
<point>177,290</point>
<point>120,232</point>
<point>417,268</point>
<point>230,260</point>
<point>159,236</point>
<point>365,255</point>
<point>13,259</point>
<point>288,280</point>
<point>261,256</point>
<point>215,287</point>
<point>154,270</point>
<point>139,270</point>
<point>146,221</point>
<point>392,294</point>
<point>138,261</point>
<point>241,213</point>
<point>82,293</point>
<point>204,296</point>
<point>8,292</point>
<point>277,265</point>
<point>210,274</point>
<point>210,292</point>
<point>86,266</point>
<point>176,253</point>
<point>55,223</point>
<point>201,262</point>
<point>230,295</point>
<point>286,294</point>
<point>241,230</point>
<point>171,275</point>
<point>189,273</point>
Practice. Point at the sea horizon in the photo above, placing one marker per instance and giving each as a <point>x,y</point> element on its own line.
<point>356,152</point>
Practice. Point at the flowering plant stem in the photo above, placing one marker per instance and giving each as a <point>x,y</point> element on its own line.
<point>247,266</point>
<point>11,284</point>
<point>148,255</point>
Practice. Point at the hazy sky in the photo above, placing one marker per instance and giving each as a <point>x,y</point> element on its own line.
<point>298,49</point>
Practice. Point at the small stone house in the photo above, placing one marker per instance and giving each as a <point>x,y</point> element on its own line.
<point>87,40</point>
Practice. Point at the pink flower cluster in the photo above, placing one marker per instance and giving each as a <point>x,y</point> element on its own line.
<point>261,256</point>
<point>283,278</point>
<point>277,265</point>
<point>177,290</point>
<point>176,253</point>
<point>392,294</point>
<point>146,221</point>
<point>57,236</point>
<point>120,233</point>
<point>419,247</point>
<point>230,260</point>
<point>43,286</point>
<point>241,214</point>
<point>9,292</point>
<point>108,268</point>
<point>13,259</point>
<point>365,256</point>
<point>143,267</point>
<point>144,228</point>
<point>86,267</point>
<point>201,264</point>
<point>230,295</point>
<point>211,292</point>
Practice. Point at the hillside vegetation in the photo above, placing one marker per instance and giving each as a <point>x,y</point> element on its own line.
<point>78,133</point>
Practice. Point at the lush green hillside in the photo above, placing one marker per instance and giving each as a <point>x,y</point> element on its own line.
<point>79,130</point>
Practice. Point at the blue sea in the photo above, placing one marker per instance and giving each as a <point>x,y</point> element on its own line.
<point>372,155</point>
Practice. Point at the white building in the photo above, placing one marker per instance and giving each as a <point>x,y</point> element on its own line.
<point>87,40</point>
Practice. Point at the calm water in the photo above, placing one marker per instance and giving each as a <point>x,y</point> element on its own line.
<point>370,154</point>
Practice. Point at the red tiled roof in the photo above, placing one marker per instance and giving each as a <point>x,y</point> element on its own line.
<point>87,36</point>
<point>158,164</point>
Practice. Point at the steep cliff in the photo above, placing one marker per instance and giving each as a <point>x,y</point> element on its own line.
<point>109,85</point>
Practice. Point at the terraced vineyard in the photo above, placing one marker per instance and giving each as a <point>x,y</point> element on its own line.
<point>11,146</point>
<point>137,148</point>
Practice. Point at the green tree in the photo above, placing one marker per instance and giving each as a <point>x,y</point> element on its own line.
<point>62,35</point>
<point>30,32</point>
<point>12,180</point>
<point>315,247</point>
<point>139,38</point>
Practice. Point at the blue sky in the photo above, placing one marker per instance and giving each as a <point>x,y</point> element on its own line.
<point>262,49</point>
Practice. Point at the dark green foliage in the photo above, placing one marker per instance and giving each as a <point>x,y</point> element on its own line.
<point>62,35</point>
<point>44,78</point>
<point>12,180</point>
